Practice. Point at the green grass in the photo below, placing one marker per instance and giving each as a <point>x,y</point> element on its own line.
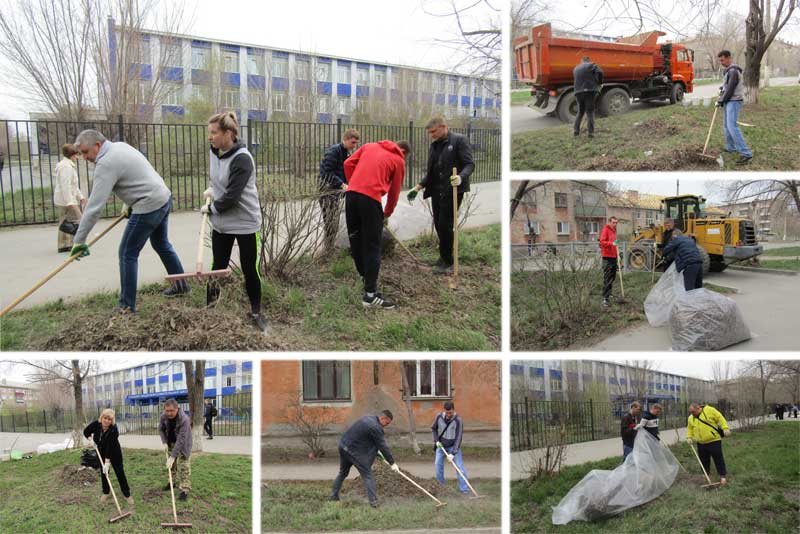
<point>674,134</point>
<point>272,454</point>
<point>322,309</point>
<point>708,81</point>
<point>37,500</point>
<point>533,329</point>
<point>788,265</point>
<point>761,497</point>
<point>520,98</point>
<point>783,251</point>
<point>303,506</point>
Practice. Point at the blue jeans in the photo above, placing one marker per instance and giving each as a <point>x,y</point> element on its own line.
<point>626,451</point>
<point>734,140</point>
<point>440,459</point>
<point>140,228</point>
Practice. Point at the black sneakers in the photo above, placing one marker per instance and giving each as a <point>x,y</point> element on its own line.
<point>183,496</point>
<point>443,268</point>
<point>259,322</point>
<point>378,301</point>
<point>606,304</point>
<point>166,488</point>
<point>744,160</point>
<point>176,289</point>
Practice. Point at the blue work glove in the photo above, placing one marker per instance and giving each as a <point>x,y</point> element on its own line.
<point>82,249</point>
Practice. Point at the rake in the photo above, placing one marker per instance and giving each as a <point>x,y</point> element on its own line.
<point>454,280</point>
<point>710,484</point>
<point>199,263</point>
<point>404,247</point>
<point>460,472</point>
<point>439,503</point>
<point>122,515</point>
<point>174,524</point>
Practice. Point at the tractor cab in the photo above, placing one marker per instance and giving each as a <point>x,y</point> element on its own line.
<point>683,208</point>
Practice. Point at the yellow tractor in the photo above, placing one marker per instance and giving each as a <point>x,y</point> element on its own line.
<point>721,240</point>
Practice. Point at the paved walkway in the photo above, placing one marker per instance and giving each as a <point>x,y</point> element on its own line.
<point>223,445</point>
<point>328,470</point>
<point>31,250</point>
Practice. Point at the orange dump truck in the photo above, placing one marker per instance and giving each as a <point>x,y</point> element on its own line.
<point>635,68</point>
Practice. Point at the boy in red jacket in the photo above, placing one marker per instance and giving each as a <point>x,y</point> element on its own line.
<point>608,249</point>
<point>374,170</point>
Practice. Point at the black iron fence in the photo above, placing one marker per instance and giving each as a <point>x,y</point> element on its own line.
<point>234,418</point>
<point>539,423</point>
<point>287,156</point>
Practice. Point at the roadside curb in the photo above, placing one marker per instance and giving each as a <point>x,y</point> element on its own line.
<point>782,272</point>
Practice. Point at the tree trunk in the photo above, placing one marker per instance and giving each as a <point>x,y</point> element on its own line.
<point>754,51</point>
<point>412,424</point>
<point>77,392</point>
<point>195,383</point>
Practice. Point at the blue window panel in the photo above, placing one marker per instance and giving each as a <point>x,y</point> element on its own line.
<point>452,100</point>
<point>497,104</point>
<point>622,381</point>
<point>172,74</point>
<point>517,370</point>
<point>210,392</point>
<point>141,71</point>
<point>229,369</point>
<point>324,88</point>
<point>229,47</point>
<point>256,115</point>
<point>177,377</point>
<point>201,76</point>
<point>247,366</point>
<point>278,53</point>
<point>107,387</point>
<point>362,90</point>
<point>362,65</point>
<point>380,67</point>
<point>440,100</point>
<point>395,94</point>
<point>127,384</point>
<point>280,84</point>
<point>380,92</point>
<point>255,81</point>
<point>151,381</point>
<point>117,386</point>
<point>229,390</point>
<point>427,98</point>
<point>138,383</point>
<point>247,387</point>
<point>172,110</point>
<point>302,85</point>
<point>672,387</point>
<point>540,371</point>
<point>201,44</point>
<point>343,89</point>
<point>255,51</point>
<point>324,118</point>
<point>344,62</point>
<point>231,79</point>
<point>489,102</point>
<point>464,101</point>
<point>323,60</point>
<point>612,380</point>
<point>411,96</point>
<point>302,57</point>
<point>163,379</point>
<point>678,387</point>
<point>211,371</point>
<point>477,101</point>
<point>555,374</point>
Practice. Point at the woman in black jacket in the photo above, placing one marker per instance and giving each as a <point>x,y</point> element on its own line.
<point>105,435</point>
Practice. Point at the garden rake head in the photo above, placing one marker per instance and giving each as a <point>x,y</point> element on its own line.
<point>199,274</point>
<point>710,485</point>
<point>122,515</point>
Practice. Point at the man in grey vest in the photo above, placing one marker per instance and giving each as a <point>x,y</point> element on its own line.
<point>123,170</point>
<point>731,99</point>
<point>448,431</point>
<point>587,79</point>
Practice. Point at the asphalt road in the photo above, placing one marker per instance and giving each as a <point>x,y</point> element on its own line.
<point>524,119</point>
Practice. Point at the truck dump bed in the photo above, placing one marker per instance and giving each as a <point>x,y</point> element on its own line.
<point>546,61</point>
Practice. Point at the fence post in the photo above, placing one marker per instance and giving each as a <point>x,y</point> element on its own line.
<point>44,415</point>
<point>338,129</point>
<point>469,131</point>
<point>527,425</point>
<point>120,128</point>
<point>591,416</point>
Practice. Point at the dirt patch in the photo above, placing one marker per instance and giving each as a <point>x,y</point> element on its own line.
<point>656,127</point>
<point>391,485</point>
<point>687,157</point>
<point>78,475</point>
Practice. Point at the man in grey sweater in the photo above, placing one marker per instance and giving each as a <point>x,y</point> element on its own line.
<point>731,99</point>
<point>175,429</point>
<point>123,170</point>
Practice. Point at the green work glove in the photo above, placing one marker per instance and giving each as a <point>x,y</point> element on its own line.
<point>412,195</point>
<point>82,250</point>
<point>126,211</point>
<point>616,242</point>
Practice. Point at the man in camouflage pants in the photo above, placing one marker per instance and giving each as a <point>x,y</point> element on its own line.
<point>176,433</point>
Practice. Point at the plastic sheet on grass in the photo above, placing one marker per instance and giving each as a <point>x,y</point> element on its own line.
<point>705,320</point>
<point>647,472</point>
<point>661,298</point>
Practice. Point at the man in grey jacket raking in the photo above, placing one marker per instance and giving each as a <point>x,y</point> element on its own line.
<point>175,429</point>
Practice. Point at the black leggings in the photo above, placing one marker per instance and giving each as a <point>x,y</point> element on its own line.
<point>123,481</point>
<point>221,247</point>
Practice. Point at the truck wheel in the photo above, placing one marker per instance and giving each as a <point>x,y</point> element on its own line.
<point>717,264</point>
<point>568,108</point>
<point>676,94</point>
<point>615,102</point>
<point>706,259</point>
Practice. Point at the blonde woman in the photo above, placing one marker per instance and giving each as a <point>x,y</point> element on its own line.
<point>105,435</point>
<point>68,197</point>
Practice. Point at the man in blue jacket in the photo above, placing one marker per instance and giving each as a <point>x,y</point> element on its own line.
<point>687,259</point>
<point>358,447</point>
<point>447,433</point>
<point>333,184</point>
<point>587,81</point>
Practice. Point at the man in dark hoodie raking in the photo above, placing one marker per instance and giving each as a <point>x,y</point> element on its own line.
<point>448,431</point>
<point>731,98</point>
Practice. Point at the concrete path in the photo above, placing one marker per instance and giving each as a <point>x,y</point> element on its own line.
<point>770,304</point>
<point>328,470</point>
<point>222,445</point>
<point>34,253</point>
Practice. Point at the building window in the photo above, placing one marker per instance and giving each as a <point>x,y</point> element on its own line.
<point>323,104</point>
<point>230,381</point>
<point>323,71</point>
<point>380,78</point>
<point>255,64</point>
<point>363,76</point>
<point>302,68</point>
<point>591,227</point>
<point>247,379</point>
<point>230,61</point>
<point>302,104</point>
<point>142,52</point>
<point>142,92</point>
<point>258,100</point>
<point>230,98</point>
<point>280,67</point>
<point>440,83</point>
<point>428,378</point>
<point>326,380</point>
<point>200,57</point>
<point>532,227</point>
<point>279,101</point>
<point>395,80</point>
<point>453,85</point>
<point>343,73</point>
<point>561,200</point>
<point>562,228</point>
<point>173,94</point>
<point>171,54</point>
<point>210,382</point>
<point>178,384</point>
<point>344,106</point>
<point>427,83</point>
<point>555,383</point>
<point>200,92</point>
<point>465,89</point>
<point>411,81</point>
<point>362,105</point>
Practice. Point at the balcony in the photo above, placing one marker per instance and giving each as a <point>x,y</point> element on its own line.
<point>589,211</point>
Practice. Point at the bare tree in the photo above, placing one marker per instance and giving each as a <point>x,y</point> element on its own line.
<point>195,380</point>
<point>764,372</point>
<point>762,27</point>
<point>412,422</point>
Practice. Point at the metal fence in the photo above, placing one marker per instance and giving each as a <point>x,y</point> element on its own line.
<point>287,156</point>
<point>544,256</point>
<point>539,423</point>
<point>234,418</point>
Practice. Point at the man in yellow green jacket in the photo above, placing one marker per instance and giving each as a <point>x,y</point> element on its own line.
<point>707,427</point>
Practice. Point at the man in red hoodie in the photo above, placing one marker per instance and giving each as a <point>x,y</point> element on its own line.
<point>608,249</point>
<point>374,170</point>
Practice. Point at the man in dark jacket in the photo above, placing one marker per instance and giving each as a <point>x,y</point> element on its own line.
<point>209,413</point>
<point>587,79</point>
<point>448,431</point>
<point>448,149</point>
<point>333,184</point>
<point>175,429</point>
<point>731,99</point>
<point>628,429</point>
<point>649,420</point>
<point>358,447</point>
<point>683,250</point>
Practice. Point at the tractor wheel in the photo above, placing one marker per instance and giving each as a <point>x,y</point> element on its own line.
<point>640,258</point>
<point>717,264</point>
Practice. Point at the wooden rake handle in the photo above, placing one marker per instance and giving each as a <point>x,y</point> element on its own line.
<point>171,488</point>
<point>459,471</point>
<point>710,128</point>
<point>699,462</point>
<point>200,241</point>
<point>423,490</point>
<point>60,268</point>
<point>455,227</point>
<point>108,479</point>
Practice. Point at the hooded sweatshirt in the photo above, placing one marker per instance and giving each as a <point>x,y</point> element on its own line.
<point>607,237</point>
<point>450,437</point>
<point>236,208</point>
<point>732,84</point>
<point>375,170</point>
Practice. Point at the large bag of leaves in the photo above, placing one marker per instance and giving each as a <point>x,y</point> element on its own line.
<point>660,299</point>
<point>647,472</point>
<point>705,320</point>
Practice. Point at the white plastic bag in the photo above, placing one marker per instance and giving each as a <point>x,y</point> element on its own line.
<point>705,320</point>
<point>660,299</point>
<point>647,472</point>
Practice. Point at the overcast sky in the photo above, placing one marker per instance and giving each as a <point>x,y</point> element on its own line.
<point>659,186</point>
